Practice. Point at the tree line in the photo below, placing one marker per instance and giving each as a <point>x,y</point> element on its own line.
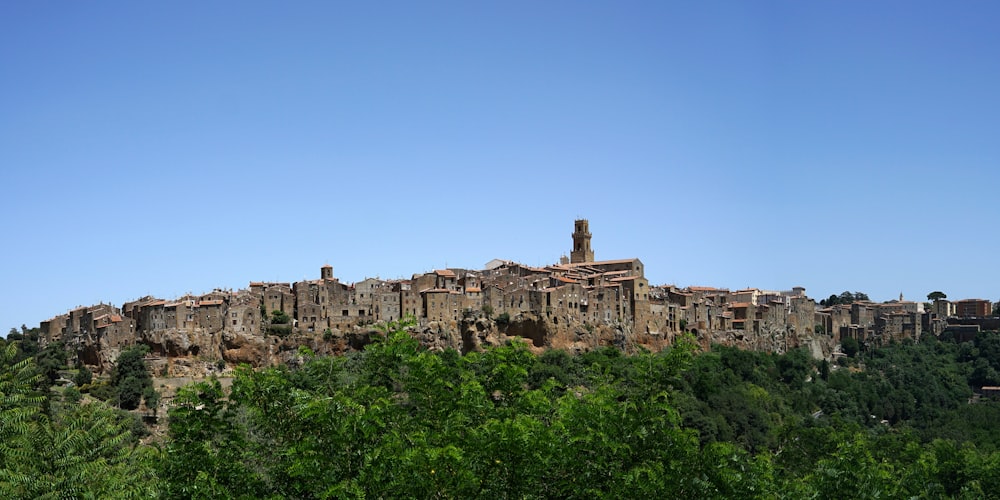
<point>398,420</point>
<point>845,298</point>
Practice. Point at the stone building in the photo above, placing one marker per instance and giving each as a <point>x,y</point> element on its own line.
<point>275,297</point>
<point>582,252</point>
<point>973,308</point>
<point>577,294</point>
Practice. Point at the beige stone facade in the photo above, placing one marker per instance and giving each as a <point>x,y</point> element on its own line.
<point>579,294</point>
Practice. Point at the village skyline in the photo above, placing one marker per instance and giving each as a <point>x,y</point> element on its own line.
<point>174,148</point>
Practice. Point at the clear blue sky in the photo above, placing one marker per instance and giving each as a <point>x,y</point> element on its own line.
<point>170,147</point>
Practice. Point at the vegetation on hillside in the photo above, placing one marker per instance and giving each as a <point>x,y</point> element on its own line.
<point>397,420</point>
<point>845,298</point>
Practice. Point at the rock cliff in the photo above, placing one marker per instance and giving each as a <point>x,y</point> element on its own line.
<point>200,353</point>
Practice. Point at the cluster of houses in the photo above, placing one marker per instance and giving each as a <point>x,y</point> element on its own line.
<point>578,291</point>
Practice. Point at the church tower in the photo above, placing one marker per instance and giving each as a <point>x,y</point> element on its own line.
<point>581,243</point>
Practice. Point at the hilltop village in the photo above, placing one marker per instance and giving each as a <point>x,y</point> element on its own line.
<point>578,304</point>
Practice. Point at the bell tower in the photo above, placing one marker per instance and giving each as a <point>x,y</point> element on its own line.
<point>581,243</point>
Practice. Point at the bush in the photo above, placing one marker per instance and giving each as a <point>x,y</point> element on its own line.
<point>279,330</point>
<point>850,346</point>
<point>280,318</point>
<point>71,395</point>
<point>503,319</point>
<point>131,378</point>
<point>103,391</point>
<point>83,376</point>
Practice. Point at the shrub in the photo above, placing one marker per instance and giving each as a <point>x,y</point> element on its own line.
<point>503,319</point>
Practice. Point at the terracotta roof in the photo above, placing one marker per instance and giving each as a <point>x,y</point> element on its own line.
<point>703,289</point>
<point>565,279</point>
<point>472,289</point>
<point>210,303</point>
<point>737,305</point>
<point>624,278</point>
<point>444,272</point>
<point>115,318</point>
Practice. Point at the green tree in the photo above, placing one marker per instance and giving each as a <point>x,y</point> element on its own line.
<point>83,376</point>
<point>86,452</point>
<point>279,317</point>
<point>852,471</point>
<point>936,295</point>
<point>79,452</point>
<point>130,377</point>
<point>208,455</point>
<point>50,360</point>
<point>18,405</point>
<point>850,346</point>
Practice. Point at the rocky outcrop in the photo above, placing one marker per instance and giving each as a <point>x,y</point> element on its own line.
<point>238,348</point>
<point>202,353</point>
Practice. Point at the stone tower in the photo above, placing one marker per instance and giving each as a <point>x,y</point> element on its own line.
<point>326,272</point>
<point>581,243</point>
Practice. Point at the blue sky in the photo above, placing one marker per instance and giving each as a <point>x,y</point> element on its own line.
<point>172,147</point>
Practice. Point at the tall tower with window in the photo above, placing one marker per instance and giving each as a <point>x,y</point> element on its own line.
<point>581,243</point>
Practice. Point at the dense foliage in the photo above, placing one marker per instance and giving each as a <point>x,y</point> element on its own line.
<point>845,297</point>
<point>397,420</point>
<point>132,381</point>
